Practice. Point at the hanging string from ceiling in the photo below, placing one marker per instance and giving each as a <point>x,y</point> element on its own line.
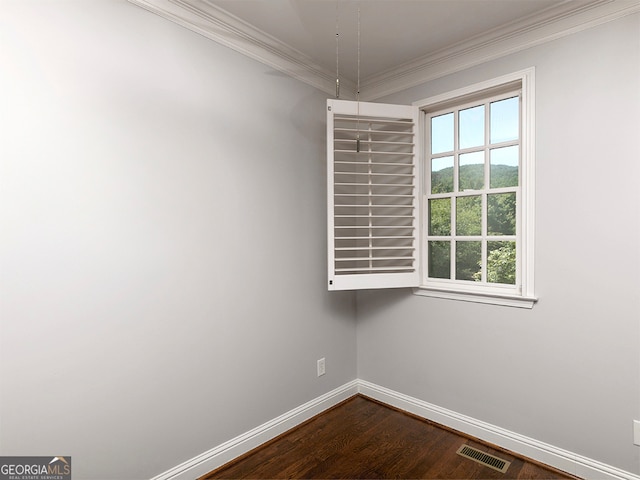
<point>358,85</point>
<point>358,68</point>
<point>337,49</point>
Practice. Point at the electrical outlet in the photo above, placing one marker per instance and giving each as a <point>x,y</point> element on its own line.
<point>321,367</point>
<point>636,432</point>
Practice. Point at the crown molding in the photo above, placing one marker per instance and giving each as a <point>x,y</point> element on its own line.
<point>550,24</point>
<point>563,19</point>
<point>216,24</point>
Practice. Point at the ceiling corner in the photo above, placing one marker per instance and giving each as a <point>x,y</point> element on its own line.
<point>216,24</point>
<point>551,24</point>
<point>565,18</point>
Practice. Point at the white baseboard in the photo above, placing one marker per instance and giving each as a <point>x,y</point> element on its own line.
<point>218,456</point>
<point>559,458</point>
<point>564,460</point>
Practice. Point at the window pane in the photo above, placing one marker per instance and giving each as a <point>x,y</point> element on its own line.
<point>471,127</point>
<point>440,216</point>
<point>501,262</point>
<point>501,214</point>
<point>505,120</point>
<point>442,133</point>
<point>504,167</point>
<point>468,261</point>
<point>469,215</point>
<point>442,175</point>
<point>471,171</point>
<point>439,259</point>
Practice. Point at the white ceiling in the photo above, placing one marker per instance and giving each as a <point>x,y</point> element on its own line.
<point>392,32</point>
<point>402,42</point>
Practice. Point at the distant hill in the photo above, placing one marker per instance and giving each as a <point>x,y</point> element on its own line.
<point>472,178</point>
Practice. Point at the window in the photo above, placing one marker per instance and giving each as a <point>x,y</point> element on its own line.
<point>453,217</point>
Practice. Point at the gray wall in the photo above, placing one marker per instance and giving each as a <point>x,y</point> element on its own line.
<point>162,202</point>
<point>566,372</point>
<point>162,268</point>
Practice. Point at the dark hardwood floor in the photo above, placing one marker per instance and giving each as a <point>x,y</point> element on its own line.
<point>363,439</point>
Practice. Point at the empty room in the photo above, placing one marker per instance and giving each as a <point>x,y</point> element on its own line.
<point>225,220</point>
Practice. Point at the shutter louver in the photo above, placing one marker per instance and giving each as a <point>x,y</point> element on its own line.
<point>372,195</point>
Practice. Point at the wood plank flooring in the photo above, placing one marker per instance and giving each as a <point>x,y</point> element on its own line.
<point>363,439</point>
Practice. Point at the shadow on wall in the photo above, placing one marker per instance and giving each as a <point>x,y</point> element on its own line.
<point>382,300</point>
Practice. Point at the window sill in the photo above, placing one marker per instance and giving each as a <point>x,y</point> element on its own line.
<point>517,301</point>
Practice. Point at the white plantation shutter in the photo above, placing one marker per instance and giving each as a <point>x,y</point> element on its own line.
<point>372,195</point>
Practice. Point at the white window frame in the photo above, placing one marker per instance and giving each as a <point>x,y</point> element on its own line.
<point>521,295</point>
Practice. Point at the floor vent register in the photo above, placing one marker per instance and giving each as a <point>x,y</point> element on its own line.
<point>483,458</point>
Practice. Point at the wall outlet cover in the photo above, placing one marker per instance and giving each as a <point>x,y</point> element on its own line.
<point>321,367</point>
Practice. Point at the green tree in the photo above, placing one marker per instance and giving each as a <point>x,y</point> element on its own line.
<point>442,180</point>
<point>468,256</point>
<point>503,176</point>
<point>471,177</point>
<point>439,259</point>
<point>501,220</point>
<point>440,216</point>
<point>501,263</point>
<point>469,215</point>
<point>501,214</point>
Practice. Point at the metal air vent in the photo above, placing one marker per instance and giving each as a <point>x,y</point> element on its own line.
<point>483,458</point>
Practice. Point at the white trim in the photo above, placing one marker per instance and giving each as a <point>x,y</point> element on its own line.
<point>563,19</point>
<point>524,76</point>
<point>559,458</point>
<point>220,26</point>
<point>478,297</point>
<point>528,175</point>
<point>551,24</point>
<point>227,451</point>
<point>518,296</point>
<point>542,452</point>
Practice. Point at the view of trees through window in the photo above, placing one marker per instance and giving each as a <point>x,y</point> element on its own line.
<point>471,202</point>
